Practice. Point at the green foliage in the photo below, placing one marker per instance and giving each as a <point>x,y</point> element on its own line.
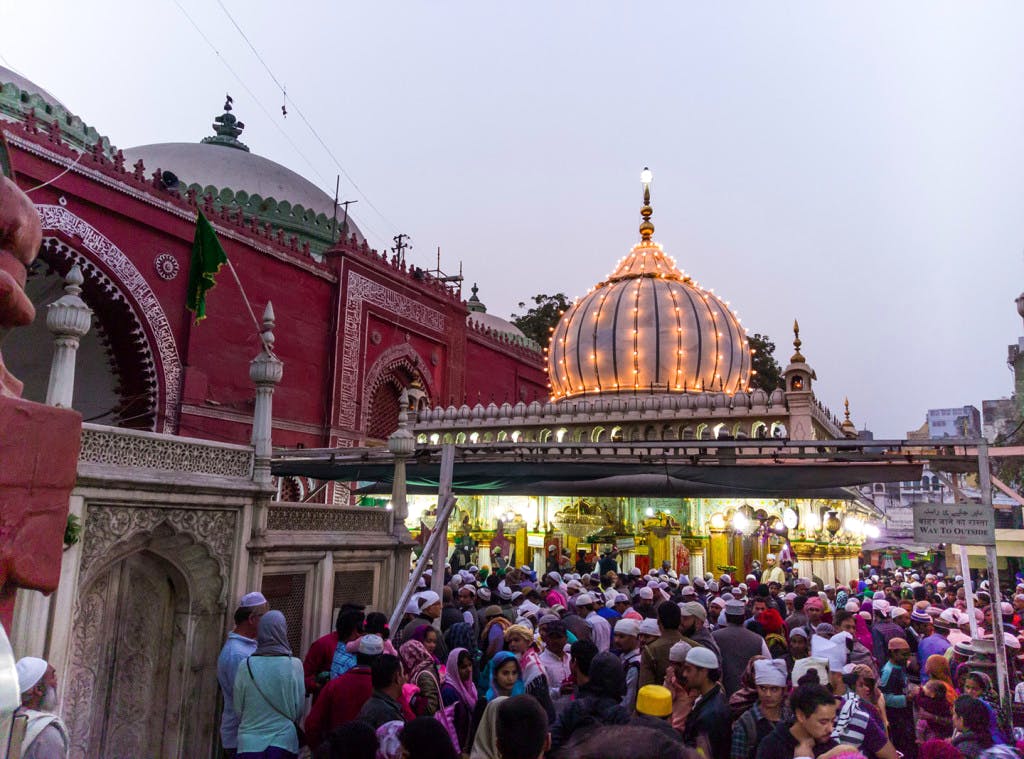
<point>72,530</point>
<point>537,322</point>
<point>768,375</point>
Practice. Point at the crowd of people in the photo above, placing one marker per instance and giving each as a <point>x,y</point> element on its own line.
<point>514,664</point>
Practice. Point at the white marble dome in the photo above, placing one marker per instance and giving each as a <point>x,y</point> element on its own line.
<point>648,328</point>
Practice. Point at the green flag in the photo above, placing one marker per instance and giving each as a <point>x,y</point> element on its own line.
<point>207,258</point>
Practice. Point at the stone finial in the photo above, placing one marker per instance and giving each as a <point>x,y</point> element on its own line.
<point>267,335</point>
<point>266,369</point>
<point>227,128</point>
<point>797,357</point>
<point>401,442</point>
<point>69,319</point>
<point>68,315</point>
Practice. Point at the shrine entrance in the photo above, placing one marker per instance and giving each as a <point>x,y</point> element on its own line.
<point>141,642</point>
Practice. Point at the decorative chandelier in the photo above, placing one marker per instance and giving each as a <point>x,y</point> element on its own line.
<point>580,519</point>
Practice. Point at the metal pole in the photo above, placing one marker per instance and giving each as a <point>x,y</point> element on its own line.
<point>965,567</point>
<point>985,480</point>
<point>417,571</point>
<point>444,492</point>
<point>965,570</point>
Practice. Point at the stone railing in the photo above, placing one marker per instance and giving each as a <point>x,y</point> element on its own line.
<point>636,406</point>
<point>288,517</point>
<point>121,447</point>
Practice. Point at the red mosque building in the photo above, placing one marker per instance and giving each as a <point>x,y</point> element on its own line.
<point>354,326</point>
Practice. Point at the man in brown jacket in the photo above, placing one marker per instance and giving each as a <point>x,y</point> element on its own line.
<point>654,660</point>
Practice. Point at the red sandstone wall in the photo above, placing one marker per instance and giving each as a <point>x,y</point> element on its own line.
<point>328,357</point>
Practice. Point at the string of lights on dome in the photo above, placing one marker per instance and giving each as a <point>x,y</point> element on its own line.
<point>366,227</point>
<point>312,129</point>
<point>700,337</point>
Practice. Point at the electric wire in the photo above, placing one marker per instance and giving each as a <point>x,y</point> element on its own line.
<point>302,116</point>
<point>266,112</point>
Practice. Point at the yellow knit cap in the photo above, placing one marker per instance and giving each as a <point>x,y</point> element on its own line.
<point>655,700</point>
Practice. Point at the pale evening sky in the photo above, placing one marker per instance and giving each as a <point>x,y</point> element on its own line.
<point>857,166</point>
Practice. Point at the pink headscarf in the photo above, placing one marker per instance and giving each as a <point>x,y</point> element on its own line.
<point>465,688</point>
<point>863,633</point>
<point>415,659</point>
<point>555,597</point>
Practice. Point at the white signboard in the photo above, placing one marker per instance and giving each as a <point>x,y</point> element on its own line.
<point>535,541</point>
<point>966,524</point>
<point>899,520</point>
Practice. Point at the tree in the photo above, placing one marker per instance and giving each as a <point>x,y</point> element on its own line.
<point>768,373</point>
<point>537,323</point>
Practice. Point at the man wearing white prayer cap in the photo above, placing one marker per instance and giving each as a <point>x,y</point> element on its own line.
<point>626,639</point>
<point>241,643</point>
<point>45,734</point>
<point>760,720</point>
<point>709,718</point>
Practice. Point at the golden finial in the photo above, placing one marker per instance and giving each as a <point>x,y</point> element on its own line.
<point>797,357</point>
<point>848,427</point>
<point>646,227</point>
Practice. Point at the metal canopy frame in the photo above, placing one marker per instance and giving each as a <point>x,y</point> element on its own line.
<point>686,468</point>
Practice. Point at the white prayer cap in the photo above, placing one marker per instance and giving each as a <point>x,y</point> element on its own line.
<point>252,599</point>
<point>646,593</point>
<point>679,651</point>
<point>852,605</point>
<point>627,627</point>
<point>897,611</point>
<point>584,599</point>
<point>771,557</point>
<point>833,652</point>
<point>484,594</point>
<point>413,607</point>
<point>649,627</point>
<point>428,598</point>
<point>635,572</point>
<point>621,598</point>
<point>701,657</point>
<point>1011,641</point>
<point>802,666</point>
<point>371,645</point>
<point>30,671</point>
<point>554,576</point>
<point>770,672</point>
<point>574,585</point>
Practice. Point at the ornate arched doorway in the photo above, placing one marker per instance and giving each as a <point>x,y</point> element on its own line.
<point>145,633</point>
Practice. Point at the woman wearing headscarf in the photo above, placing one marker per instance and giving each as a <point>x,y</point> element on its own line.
<point>971,720</point>
<point>269,694</point>
<point>421,671</point>
<point>937,668</point>
<point>746,696</point>
<point>485,745</point>
<point>459,696</point>
<point>520,641</point>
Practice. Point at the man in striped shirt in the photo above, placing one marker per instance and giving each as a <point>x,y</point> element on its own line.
<point>858,721</point>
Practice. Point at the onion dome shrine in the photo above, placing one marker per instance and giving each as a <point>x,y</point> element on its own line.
<point>648,327</point>
<point>641,365</point>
